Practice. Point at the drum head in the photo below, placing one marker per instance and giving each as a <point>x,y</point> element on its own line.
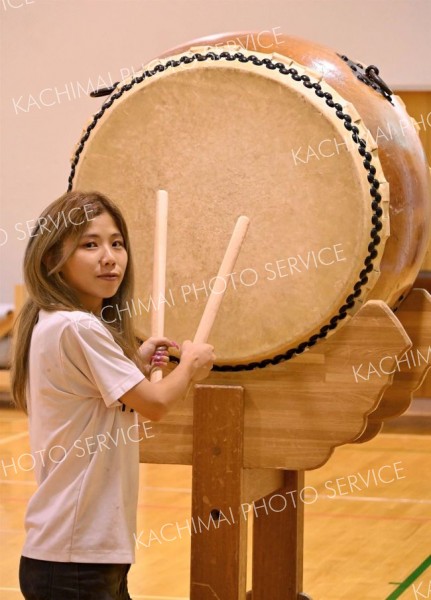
<point>227,138</point>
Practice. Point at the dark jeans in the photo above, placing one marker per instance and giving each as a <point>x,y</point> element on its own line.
<point>48,580</point>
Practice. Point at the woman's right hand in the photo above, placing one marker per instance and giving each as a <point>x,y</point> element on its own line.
<point>200,356</point>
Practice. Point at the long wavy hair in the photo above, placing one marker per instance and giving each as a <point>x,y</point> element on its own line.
<point>47,289</point>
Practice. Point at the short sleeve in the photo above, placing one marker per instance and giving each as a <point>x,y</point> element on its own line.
<point>92,349</point>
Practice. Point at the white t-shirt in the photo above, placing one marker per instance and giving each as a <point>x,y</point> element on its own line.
<point>85,447</point>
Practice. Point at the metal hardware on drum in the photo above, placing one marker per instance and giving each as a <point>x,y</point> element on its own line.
<point>104,91</point>
<point>370,76</point>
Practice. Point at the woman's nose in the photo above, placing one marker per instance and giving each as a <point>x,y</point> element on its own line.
<point>108,256</point>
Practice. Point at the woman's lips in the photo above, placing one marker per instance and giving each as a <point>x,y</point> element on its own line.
<point>108,277</point>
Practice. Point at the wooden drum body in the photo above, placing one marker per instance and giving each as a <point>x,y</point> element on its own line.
<point>328,167</point>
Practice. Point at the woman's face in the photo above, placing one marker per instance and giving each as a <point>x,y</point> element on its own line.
<point>96,268</point>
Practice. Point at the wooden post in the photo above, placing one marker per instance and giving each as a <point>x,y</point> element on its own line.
<point>278,539</point>
<point>219,515</point>
<point>219,529</point>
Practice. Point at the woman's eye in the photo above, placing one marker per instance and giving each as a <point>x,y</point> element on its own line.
<point>116,244</point>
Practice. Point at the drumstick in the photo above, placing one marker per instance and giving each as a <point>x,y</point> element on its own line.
<point>159,273</point>
<point>228,263</point>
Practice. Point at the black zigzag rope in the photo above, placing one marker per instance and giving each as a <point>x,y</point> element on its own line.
<point>361,148</point>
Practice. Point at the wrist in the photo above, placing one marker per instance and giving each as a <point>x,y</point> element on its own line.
<point>187,365</point>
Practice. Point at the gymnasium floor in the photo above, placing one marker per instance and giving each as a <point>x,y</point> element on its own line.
<point>367,520</point>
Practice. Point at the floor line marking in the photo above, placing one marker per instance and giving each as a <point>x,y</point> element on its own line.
<point>410,579</point>
<point>22,482</point>
<point>368,517</point>
<point>310,514</point>
<point>345,498</point>
<point>166,489</point>
<point>11,438</point>
<point>414,435</point>
<point>370,499</point>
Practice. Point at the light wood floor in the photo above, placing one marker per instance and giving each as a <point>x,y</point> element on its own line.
<point>361,542</point>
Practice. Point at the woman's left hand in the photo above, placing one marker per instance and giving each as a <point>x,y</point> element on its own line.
<point>154,352</point>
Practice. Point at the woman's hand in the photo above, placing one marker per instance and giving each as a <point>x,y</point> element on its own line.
<point>154,353</point>
<point>201,356</point>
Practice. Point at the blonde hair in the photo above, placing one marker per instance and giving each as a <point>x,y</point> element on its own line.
<point>47,289</point>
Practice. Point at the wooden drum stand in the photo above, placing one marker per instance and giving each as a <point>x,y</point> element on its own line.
<point>251,435</point>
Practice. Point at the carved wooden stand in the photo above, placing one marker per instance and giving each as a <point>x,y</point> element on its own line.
<point>251,436</point>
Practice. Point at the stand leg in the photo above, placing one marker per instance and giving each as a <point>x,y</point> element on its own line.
<point>219,532</point>
<point>278,534</point>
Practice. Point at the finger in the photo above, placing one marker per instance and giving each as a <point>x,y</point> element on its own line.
<point>172,344</point>
<point>160,358</point>
<point>160,354</point>
<point>163,359</point>
<point>160,347</point>
<point>167,342</point>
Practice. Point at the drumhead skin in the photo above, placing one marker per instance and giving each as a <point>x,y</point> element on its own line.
<point>227,136</point>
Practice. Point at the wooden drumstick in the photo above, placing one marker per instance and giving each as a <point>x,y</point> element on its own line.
<point>217,292</point>
<point>159,273</point>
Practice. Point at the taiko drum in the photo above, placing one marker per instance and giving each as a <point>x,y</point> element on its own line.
<point>312,146</point>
